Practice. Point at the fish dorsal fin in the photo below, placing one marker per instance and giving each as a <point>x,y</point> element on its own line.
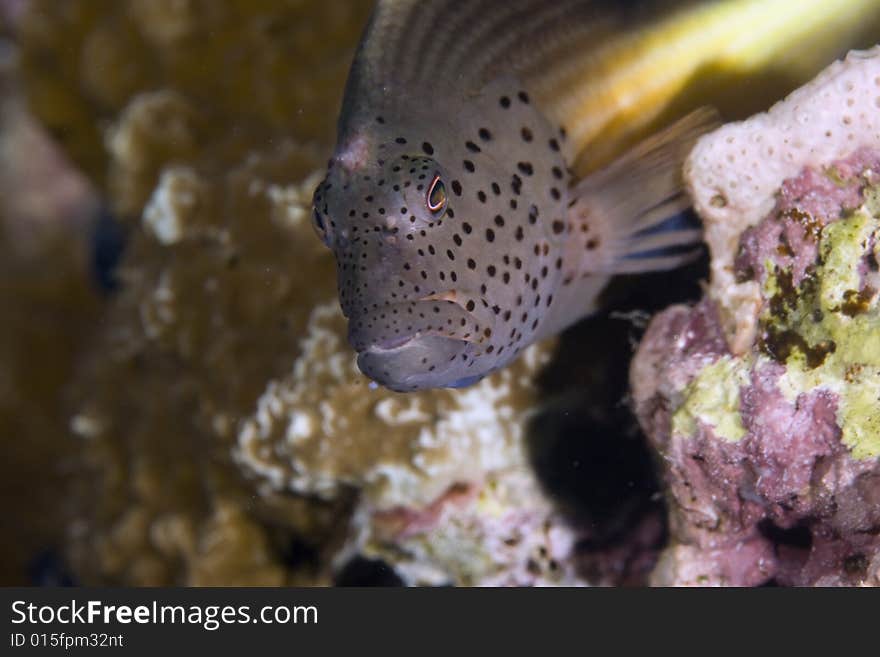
<point>630,217</point>
<point>427,48</point>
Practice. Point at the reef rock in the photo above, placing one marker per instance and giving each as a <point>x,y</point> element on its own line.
<point>763,400</point>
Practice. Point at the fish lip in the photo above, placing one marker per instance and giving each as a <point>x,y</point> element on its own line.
<point>390,346</point>
<point>373,361</point>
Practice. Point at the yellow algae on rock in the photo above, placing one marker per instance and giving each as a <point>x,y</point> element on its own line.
<point>838,311</point>
<point>714,399</point>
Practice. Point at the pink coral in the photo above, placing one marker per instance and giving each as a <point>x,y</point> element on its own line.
<point>780,497</point>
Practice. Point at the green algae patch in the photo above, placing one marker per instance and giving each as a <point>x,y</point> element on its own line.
<point>860,417</point>
<point>844,244</point>
<point>827,330</point>
<point>713,398</point>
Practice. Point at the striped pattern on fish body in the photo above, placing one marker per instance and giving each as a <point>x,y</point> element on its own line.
<point>455,202</point>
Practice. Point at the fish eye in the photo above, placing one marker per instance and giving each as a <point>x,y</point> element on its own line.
<point>436,198</point>
<point>319,225</point>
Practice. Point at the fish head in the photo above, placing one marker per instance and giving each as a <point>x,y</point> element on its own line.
<point>446,240</point>
<point>413,318</point>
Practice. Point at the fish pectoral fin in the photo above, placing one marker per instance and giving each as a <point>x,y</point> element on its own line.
<point>634,215</point>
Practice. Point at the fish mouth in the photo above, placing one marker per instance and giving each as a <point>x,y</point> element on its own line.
<point>420,362</point>
<point>393,326</point>
<point>414,345</point>
<point>392,344</point>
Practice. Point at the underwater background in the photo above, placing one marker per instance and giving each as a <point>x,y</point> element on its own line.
<point>178,404</point>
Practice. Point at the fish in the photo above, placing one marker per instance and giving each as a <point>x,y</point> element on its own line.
<point>498,162</point>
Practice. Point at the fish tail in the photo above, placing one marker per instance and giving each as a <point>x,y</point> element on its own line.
<point>632,216</point>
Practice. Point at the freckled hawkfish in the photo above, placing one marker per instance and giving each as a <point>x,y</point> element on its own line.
<point>473,203</point>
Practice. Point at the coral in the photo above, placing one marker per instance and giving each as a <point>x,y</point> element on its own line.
<point>500,532</point>
<point>446,493</point>
<point>329,430</point>
<point>249,72</point>
<point>211,307</point>
<point>764,399</point>
<point>733,174</point>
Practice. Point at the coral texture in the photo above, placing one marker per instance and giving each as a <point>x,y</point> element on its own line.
<point>764,399</point>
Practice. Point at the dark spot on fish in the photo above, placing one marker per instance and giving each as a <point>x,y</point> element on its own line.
<point>533,215</point>
<point>516,184</point>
